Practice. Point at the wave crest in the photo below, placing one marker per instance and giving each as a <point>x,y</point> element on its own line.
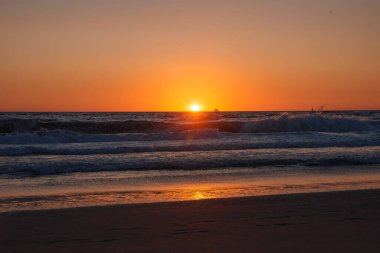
<point>299,123</point>
<point>269,124</point>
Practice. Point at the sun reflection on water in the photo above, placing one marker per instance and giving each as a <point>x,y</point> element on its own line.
<point>198,195</point>
<point>189,191</point>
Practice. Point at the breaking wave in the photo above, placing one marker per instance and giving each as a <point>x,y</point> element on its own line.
<point>280,123</point>
<point>300,123</point>
<point>196,140</point>
<point>64,136</point>
<point>191,160</point>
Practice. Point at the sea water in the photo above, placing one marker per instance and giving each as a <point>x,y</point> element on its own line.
<point>58,160</point>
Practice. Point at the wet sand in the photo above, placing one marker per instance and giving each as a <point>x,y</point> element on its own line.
<point>316,222</point>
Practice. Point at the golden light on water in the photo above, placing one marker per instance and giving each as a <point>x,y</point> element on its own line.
<point>198,195</point>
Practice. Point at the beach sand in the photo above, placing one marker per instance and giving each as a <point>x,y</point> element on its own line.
<point>316,222</point>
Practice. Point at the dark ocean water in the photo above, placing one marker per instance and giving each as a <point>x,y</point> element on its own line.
<point>157,147</point>
<point>48,143</point>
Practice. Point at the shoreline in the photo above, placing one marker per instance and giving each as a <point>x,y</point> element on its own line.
<point>48,193</point>
<point>335,221</point>
<point>235,198</point>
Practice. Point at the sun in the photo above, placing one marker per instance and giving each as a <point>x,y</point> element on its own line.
<point>195,108</point>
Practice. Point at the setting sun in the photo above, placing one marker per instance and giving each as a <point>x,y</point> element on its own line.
<point>195,108</point>
<point>220,105</point>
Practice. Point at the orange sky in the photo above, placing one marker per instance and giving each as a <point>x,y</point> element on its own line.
<point>162,55</point>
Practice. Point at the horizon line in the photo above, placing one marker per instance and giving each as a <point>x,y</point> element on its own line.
<point>329,110</point>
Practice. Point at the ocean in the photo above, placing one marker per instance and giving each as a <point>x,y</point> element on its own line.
<point>60,160</point>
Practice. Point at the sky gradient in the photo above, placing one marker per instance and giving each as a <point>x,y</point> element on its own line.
<point>163,55</point>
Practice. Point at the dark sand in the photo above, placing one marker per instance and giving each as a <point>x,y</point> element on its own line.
<point>318,222</point>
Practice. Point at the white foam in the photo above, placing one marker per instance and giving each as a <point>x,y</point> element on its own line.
<point>307,122</point>
<point>49,164</point>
